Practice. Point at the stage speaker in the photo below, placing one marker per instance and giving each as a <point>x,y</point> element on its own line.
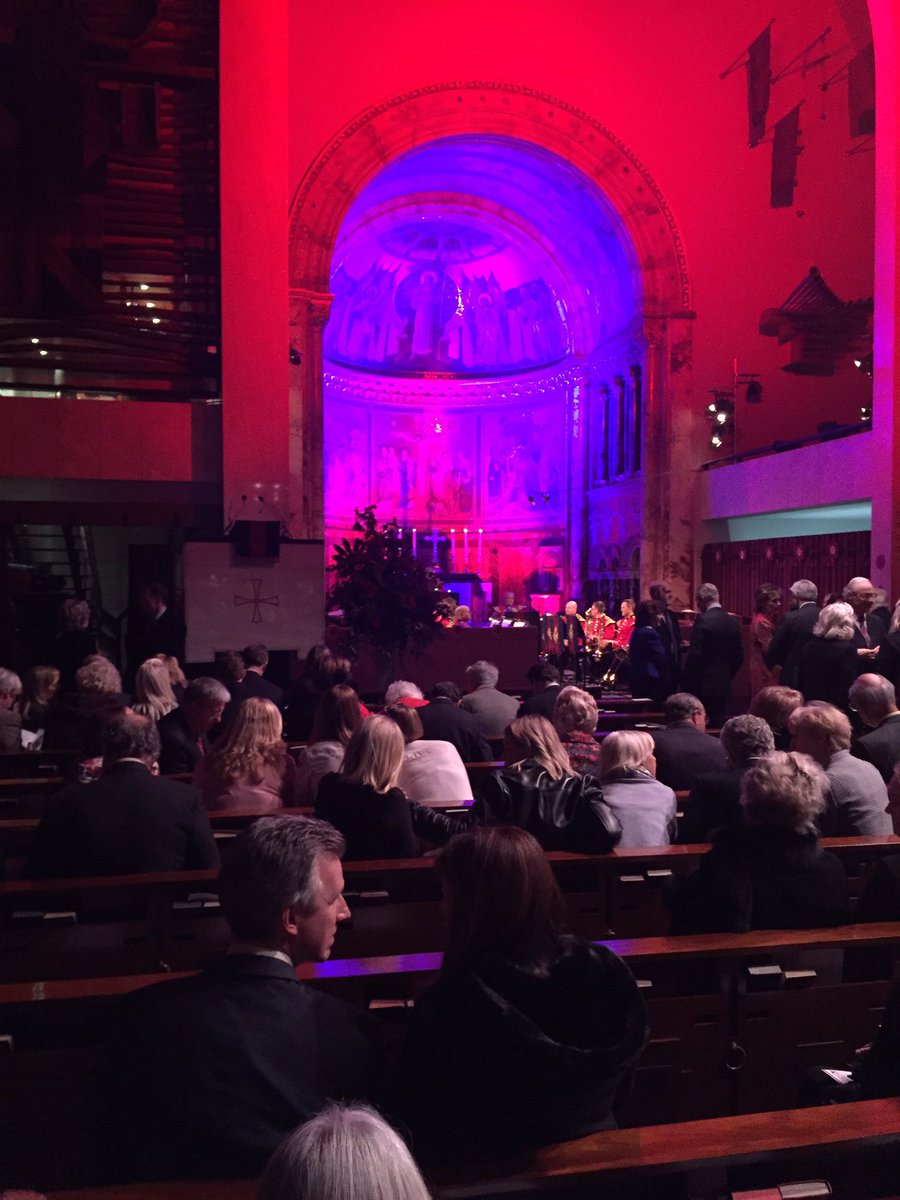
<point>256,539</point>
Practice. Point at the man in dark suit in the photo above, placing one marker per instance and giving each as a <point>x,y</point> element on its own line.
<point>715,799</point>
<point>444,721</point>
<point>875,699</point>
<point>684,749</point>
<point>793,631</point>
<point>205,1076</point>
<point>860,595</point>
<point>716,652</point>
<point>544,679</point>
<point>572,639</point>
<point>184,731</point>
<point>130,821</point>
<point>254,683</point>
<point>153,628</point>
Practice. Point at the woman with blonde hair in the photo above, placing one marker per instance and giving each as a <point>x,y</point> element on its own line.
<point>153,690</point>
<point>828,662</point>
<point>538,791</point>
<point>250,767</point>
<point>345,1154</point>
<point>75,642</point>
<point>575,718</point>
<point>363,800</point>
<point>177,677</point>
<point>645,807</point>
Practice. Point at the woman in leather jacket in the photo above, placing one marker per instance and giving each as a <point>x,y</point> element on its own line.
<point>538,791</point>
<point>364,802</point>
<point>529,1036</point>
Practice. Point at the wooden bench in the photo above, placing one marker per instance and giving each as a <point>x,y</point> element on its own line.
<point>122,924</point>
<point>853,1144</point>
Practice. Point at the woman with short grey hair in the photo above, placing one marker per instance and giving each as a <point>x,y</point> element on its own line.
<point>10,717</point>
<point>575,717</point>
<point>645,807</point>
<point>770,872</point>
<point>343,1154</point>
<point>829,661</point>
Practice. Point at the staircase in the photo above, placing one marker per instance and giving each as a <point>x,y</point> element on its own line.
<point>62,557</point>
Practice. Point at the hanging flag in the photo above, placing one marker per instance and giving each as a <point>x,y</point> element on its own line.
<point>785,148</point>
<point>758,78</point>
<point>861,92</point>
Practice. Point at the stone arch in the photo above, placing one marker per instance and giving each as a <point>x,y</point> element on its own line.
<point>381,133</point>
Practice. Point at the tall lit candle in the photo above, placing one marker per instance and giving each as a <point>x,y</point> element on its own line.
<point>452,546</point>
<point>414,543</point>
<point>480,535</point>
<point>466,547</point>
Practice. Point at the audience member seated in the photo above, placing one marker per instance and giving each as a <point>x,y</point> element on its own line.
<point>184,731</point>
<point>828,663</point>
<point>321,672</point>
<point>444,721</point>
<point>770,871</point>
<point>545,686</point>
<point>76,721</point>
<point>462,617</point>
<point>856,802</point>
<point>38,693</point>
<point>538,791</point>
<point>177,677</point>
<point>432,772</point>
<point>652,668</point>
<point>403,691</point>
<point>684,749</point>
<point>153,695</point>
<point>575,719</point>
<point>343,1153</point>
<point>130,820</point>
<point>874,698</point>
<point>207,1075</point>
<point>529,1036</point>
<point>75,643</point>
<point>254,683</point>
<point>364,802</point>
<point>229,669</point>
<point>493,709</point>
<point>645,808</point>
<point>775,705</point>
<point>10,717</point>
<point>337,719</point>
<point>715,798</point>
<point>249,768</point>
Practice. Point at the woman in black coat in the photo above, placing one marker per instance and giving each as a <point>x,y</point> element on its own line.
<point>769,872</point>
<point>528,1037</point>
<point>538,791</point>
<point>652,670</point>
<point>828,662</point>
<point>363,801</point>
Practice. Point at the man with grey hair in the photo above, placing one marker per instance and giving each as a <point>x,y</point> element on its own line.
<point>875,699</point>
<point>715,654</point>
<point>208,1074</point>
<point>402,691</point>
<point>130,821</point>
<point>715,799</point>
<point>860,595</point>
<point>184,731</point>
<point>684,749</point>
<point>493,709</point>
<point>10,718</point>
<point>793,631</point>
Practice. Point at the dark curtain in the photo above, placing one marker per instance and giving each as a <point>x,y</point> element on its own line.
<point>784,159</point>
<point>758,77</point>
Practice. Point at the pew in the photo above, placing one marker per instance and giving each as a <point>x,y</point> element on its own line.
<point>121,924</point>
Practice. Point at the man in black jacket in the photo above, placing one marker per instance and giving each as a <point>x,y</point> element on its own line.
<point>684,749</point>
<point>184,731</point>
<point>793,631</point>
<point>444,721</point>
<point>875,699</point>
<point>715,655</point>
<point>207,1075</point>
<point>130,821</point>
<point>545,681</point>
<point>715,799</point>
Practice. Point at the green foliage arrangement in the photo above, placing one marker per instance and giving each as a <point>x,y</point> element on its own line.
<point>386,596</point>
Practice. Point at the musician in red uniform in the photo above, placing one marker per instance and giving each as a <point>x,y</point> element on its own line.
<point>599,626</point>
<point>625,627</point>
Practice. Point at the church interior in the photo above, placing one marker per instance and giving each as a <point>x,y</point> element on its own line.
<point>576,298</point>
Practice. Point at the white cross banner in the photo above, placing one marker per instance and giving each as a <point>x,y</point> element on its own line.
<point>231,602</point>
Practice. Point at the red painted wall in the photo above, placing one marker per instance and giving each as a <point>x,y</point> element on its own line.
<point>650,72</point>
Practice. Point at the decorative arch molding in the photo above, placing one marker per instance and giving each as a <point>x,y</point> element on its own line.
<point>380,134</point>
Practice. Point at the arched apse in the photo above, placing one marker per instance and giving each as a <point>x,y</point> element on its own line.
<point>645,249</point>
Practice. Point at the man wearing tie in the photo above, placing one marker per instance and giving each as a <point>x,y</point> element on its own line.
<point>860,595</point>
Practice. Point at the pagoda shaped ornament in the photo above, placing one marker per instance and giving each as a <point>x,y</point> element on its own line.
<point>817,327</point>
